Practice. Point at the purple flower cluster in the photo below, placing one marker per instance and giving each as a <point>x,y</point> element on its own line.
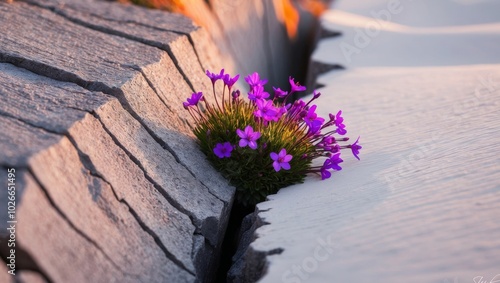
<point>248,137</point>
<point>281,160</point>
<point>312,135</point>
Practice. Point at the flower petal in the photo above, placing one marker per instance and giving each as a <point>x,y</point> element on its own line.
<point>287,158</point>
<point>243,142</point>
<point>240,133</point>
<point>282,153</point>
<point>276,166</point>
<point>248,130</point>
<point>325,174</point>
<point>274,156</point>
<point>256,136</point>
<point>285,165</point>
<point>252,144</point>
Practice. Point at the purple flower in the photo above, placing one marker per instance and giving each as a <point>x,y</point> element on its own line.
<point>295,86</point>
<point>325,174</point>
<point>193,101</point>
<point>334,162</point>
<point>296,107</point>
<point>230,81</point>
<point>329,139</point>
<point>313,121</point>
<point>281,111</point>
<point>332,148</point>
<point>316,94</point>
<point>214,77</point>
<point>341,131</point>
<point>355,147</point>
<point>248,137</point>
<point>236,94</point>
<point>254,80</point>
<point>257,93</point>
<point>311,115</point>
<point>330,163</point>
<point>223,150</point>
<point>281,160</point>
<point>279,93</point>
<point>265,110</point>
<point>339,120</point>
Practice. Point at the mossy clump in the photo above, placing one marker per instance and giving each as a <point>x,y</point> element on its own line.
<point>262,144</point>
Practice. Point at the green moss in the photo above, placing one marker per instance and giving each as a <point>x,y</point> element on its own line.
<point>251,171</point>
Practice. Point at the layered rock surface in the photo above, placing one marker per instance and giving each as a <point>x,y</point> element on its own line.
<point>111,186</point>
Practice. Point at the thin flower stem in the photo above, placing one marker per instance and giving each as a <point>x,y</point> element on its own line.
<point>286,97</point>
<point>216,101</point>
<point>223,96</point>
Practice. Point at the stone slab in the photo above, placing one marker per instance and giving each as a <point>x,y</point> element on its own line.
<point>108,222</point>
<point>4,276</point>
<point>44,102</point>
<point>53,242</point>
<point>119,74</point>
<point>63,48</point>
<point>19,142</point>
<point>167,31</point>
<point>185,148</point>
<point>172,228</point>
<point>54,106</point>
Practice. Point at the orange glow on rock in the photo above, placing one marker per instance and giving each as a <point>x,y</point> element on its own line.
<point>287,11</point>
<point>291,18</point>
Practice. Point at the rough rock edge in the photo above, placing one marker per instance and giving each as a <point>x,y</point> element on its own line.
<point>249,265</point>
<point>73,81</point>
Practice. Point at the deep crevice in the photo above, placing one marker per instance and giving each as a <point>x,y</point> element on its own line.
<point>231,238</point>
<point>249,265</point>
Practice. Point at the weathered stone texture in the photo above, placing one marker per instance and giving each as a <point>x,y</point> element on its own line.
<point>108,169</point>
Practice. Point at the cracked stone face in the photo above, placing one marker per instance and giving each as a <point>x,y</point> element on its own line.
<point>110,172</point>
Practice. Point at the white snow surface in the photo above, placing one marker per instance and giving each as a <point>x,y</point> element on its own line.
<point>423,204</point>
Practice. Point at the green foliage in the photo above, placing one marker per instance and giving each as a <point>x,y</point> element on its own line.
<point>251,171</point>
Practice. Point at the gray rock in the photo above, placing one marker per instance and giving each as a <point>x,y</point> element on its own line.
<point>43,102</point>
<point>107,222</point>
<point>4,276</point>
<point>53,242</point>
<point>28,276</point>
<point>156,215</point>
<point>62,105</point>
<point>57,110</point>
<point>19,142</point>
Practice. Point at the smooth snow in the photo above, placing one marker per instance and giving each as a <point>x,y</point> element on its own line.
<point>423,204</point>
